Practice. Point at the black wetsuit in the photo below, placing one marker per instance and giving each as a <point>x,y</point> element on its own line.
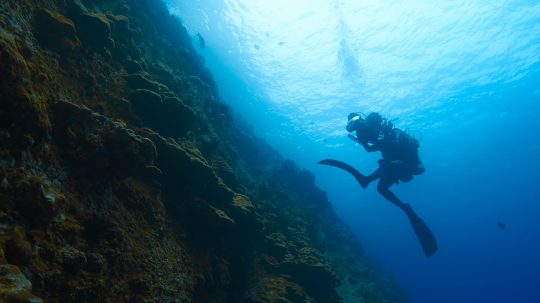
<point>399,152</point>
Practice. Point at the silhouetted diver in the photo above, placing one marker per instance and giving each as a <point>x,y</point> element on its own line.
<point>400,162</point>
<point>202,43</point>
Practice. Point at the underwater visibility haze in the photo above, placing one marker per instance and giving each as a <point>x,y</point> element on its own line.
<point>462,76</point>
<point>170,150</point>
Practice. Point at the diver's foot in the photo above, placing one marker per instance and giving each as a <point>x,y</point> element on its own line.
<point>363,180</point>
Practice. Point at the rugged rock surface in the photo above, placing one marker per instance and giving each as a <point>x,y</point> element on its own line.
<point>123,178</point>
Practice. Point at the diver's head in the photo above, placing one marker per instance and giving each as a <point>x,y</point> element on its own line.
<point>354,122</point>
<point>368,128</point>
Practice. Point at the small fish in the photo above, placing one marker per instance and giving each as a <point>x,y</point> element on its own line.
<point>501,225</point>
<point>257,47</point>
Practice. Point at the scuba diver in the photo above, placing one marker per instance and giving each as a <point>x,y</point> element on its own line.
<point>400,162</point>
<point>399,150</point>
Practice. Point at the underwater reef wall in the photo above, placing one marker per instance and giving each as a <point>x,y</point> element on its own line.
<point>124,178</point>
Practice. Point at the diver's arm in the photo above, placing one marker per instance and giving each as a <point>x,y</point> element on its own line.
<point>367,147</point>
<point>354,139</point>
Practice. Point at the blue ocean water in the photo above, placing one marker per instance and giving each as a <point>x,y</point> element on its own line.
<point>463,76</point>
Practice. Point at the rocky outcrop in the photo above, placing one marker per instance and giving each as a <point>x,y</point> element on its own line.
<point>55,31</point>
<point>14,286</point>
<point>167,114</point>
<point>123,178</point>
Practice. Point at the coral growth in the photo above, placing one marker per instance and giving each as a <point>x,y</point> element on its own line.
<point>55,31</point>
<point>14,286</point>
<point>123,178</point>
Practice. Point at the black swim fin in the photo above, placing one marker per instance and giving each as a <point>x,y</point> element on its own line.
<point>422,231</point>
<point>361,179</point>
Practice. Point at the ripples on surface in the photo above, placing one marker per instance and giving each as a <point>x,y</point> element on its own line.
<point>317,60</point>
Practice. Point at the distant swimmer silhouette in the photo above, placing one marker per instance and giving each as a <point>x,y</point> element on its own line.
<point>202,43</point>
<point>400,162</point>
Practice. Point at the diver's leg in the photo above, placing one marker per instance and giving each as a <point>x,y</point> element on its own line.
<point>383,187</point>
<point>374,176</point>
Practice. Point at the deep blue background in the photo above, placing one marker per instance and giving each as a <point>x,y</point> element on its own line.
<point>463,76</point>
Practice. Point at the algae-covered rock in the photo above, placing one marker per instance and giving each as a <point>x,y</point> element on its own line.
<point>17,97</point>
<point>249,224</point>
<point>176,111</point>
<point>133,66</point>
<point>94,30</point>
<point>315,274</point>
<point>98,144</point>
<point>55,31</point>
<point>224,170</point>
<point>73,259</point>
<point>208,224</point>
<point>17,248</point>
<point>243,203</point>
<point>138,81</point>
<point>276,289</point>
<point>164,75</point>
<point>306,265</point>
<point>121,26</point>
<point>2,256</point>
<point>37,199</point>
<point>277,246</point>
<point>95,263</point>
<point>14,287</point>
<point>168,116</point>
<point>69,227</point>
<point>187,174</point>
<point>147,103</point>
<point>74,8</point>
